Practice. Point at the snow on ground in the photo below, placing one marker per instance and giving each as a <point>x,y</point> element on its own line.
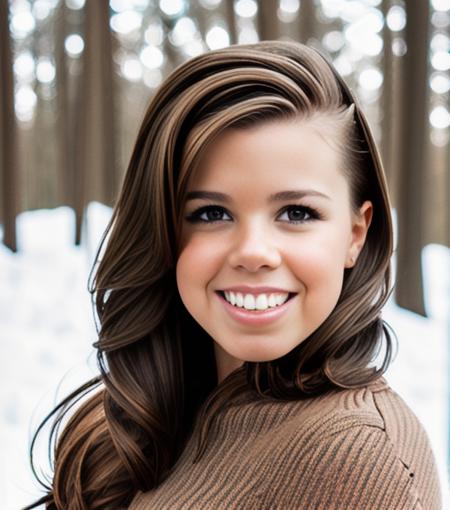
<point>47,330</point>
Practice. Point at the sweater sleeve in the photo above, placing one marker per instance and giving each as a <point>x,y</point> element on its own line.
<point>353,468</point>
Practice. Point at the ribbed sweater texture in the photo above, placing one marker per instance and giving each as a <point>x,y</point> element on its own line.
<point>349,449</point>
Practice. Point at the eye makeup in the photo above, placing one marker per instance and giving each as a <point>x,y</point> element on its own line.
<point>308,214</point>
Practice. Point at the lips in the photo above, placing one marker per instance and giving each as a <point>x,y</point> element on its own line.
<point>255,318</point>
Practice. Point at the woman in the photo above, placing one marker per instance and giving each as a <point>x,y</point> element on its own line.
<point>239,296</point>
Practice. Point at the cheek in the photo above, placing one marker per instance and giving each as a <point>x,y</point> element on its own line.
<point>319,269</point>
<point>196,266</point>
<point>319,274</point>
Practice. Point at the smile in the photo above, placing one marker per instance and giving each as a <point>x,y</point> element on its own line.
<point>255,317</point>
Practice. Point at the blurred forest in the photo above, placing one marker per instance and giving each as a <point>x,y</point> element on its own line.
<point>76,77</point>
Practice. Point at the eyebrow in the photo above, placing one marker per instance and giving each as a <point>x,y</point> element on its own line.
<point>274,197</point>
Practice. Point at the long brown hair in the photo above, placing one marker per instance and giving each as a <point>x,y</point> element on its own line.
<point>152,389</point>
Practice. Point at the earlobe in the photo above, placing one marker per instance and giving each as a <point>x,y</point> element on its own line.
<point>361,224</point>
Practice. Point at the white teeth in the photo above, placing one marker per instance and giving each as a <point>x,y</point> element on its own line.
<point>251,302</point>
<point>261,302</point>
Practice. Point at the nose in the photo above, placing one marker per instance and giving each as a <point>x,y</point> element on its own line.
<point>252,248</point>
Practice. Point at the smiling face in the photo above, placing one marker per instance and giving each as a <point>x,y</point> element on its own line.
<point>301,245</point>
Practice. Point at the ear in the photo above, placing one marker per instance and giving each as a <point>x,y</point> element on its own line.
<point>360,226</point>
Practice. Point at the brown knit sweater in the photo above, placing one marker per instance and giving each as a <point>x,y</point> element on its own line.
<point>349,449</point>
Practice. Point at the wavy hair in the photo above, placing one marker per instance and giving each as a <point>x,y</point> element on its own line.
<point>152,390</point>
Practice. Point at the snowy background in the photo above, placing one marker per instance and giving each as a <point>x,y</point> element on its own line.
<point>47,330</point>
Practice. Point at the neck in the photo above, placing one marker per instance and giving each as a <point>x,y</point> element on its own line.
<point>225,363</point>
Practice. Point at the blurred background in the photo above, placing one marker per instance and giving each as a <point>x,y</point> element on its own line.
<point>75,79</point>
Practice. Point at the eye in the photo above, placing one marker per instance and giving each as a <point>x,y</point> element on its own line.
<point>301,213</point>
<point>210,213</point>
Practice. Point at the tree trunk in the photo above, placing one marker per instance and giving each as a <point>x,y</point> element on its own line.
<point>8,130</point>
<point>412,167</point>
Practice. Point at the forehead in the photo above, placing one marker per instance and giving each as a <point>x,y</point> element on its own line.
<point>294,153</point>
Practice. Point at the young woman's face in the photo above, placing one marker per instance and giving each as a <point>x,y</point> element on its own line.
<point>297,245</point>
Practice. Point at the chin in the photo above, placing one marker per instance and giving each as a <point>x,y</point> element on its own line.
<point>261,355</point>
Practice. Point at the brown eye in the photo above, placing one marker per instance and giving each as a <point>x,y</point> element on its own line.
<point>214,213</point>
<point>298,214</point>
<point>301,213</point>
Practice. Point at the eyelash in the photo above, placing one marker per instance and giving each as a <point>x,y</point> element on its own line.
<point>194,217</point>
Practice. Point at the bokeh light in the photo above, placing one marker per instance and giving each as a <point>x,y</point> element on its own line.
<point>351,11</point>
<point>333,41</point>
<point>24,66</point>
<point>74,45</point>
<point>362,32</point>
<point>24,103</point>
<point>288,10</point>
<point>41,9</point>
<point>441,5</point>
<point>131,69</point>
<point>194,48</point>
<point>440,83</point>
<point>209,4</point>
<point>75,4</point>
<point>217,37</point>
<point>331,8</point>
<point>441,60</point>
<point>440,42</point>
<point>366,42</point>
<point>440,19</point>
<point>440,117</point>
<point>119,5</point>
<point>172,7</point>
<point>183,31</point>
<point>22,23</point>
<point>154,35</point>
<point>45,70</point>
<point>152,78</point>
<point>355,38</point>
<point>370,79</point>
<point>246,8</point>
<point>126,21</point>
<point>343,64</point>
<point>396,18</point>
<point>152,57</point>
<point>248,35</point>
<point>399,46</point>
<point>290,6</point>
<point>141,5</point>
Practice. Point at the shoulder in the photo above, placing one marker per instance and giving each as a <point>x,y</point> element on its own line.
<point>375,405</point>
<point>364,447</point>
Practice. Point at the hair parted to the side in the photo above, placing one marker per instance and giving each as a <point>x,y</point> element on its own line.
<point>157,365</point>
